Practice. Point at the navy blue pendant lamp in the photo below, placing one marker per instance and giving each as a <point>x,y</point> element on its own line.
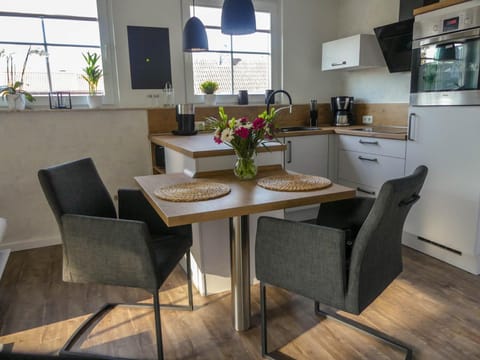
<point>194,34</point>
<point>238,17</point>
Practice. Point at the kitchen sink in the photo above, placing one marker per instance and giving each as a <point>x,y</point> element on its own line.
<point>298,128</point>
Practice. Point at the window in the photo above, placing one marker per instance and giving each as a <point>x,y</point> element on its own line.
<point>235,62</point>
<point>63,29</point>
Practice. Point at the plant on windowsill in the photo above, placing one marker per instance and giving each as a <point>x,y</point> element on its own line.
<point>209,88</point>
<point>92,75</point>
<point>13,92</point>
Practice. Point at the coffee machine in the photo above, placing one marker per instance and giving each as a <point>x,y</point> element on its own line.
<point>342,110</point>
<point>185,114</point>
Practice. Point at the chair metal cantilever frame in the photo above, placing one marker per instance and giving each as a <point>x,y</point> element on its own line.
<point>67,348</point>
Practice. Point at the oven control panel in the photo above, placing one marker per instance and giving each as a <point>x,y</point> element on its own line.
<point>454,18</point>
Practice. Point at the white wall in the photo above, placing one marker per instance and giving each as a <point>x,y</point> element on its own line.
<point>116,140</point>
<point>373,85</point>
<point>306,25</point>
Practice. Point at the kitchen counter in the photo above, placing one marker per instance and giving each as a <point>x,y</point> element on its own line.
<point>384,132</point>
<point>203,146</point>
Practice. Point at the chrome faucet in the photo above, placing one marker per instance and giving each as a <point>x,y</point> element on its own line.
<point>272,96</point>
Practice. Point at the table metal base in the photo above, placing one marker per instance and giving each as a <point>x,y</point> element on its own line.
<point>240,271</point>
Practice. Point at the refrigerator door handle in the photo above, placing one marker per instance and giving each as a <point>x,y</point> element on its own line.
<point>411,126</point>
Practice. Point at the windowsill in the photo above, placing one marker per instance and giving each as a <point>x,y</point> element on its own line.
<point>79,108</point>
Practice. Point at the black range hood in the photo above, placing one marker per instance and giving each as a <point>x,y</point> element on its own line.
<point>395,40</point>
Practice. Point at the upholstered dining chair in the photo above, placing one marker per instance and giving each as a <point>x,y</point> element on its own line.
<point>136,249</point>
<point>345,260</point>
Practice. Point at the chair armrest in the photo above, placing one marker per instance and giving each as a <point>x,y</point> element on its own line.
<point>107,251</point>
<point>133,205</point>
<point>345,214</point>
<point>303,258</point>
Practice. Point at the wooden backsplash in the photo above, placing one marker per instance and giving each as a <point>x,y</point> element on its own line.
<point>162,120</point>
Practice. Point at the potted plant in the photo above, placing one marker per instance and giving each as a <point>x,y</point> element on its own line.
<point>13,92</point>
<point>92,75</point>
<point>208,88</point>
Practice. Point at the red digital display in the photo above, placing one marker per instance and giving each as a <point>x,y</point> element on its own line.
<point>450,24</point>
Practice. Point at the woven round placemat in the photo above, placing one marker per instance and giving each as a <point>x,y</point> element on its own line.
<point>192,191</point>
<point>294,182</point>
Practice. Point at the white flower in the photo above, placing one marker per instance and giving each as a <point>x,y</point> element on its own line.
<point>227,135</point>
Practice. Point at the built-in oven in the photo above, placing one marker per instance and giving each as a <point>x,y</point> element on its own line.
<point>446,56</point>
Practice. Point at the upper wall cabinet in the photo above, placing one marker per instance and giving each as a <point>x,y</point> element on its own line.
<point>353,52</point>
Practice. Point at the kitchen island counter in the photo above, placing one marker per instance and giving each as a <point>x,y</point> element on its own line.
<point>202,145</point>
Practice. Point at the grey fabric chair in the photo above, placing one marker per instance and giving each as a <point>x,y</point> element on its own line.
<point>135,250</point>
<point>346,260</point>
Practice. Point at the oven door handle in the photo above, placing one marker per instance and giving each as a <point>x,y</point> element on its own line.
<point>446,38</point>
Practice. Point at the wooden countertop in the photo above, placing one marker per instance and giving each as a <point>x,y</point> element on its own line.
<point>202,145</point>
<point>436,6</point>
<point>246,197</point>
<point>349,130</point>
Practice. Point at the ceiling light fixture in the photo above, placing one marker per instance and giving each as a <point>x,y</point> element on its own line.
<point>194,34</point>
<point>238,17</point>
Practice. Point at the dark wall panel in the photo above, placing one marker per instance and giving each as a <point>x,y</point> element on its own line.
<point>149,50</point>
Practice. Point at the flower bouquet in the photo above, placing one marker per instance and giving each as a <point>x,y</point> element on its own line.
<point>244,137</point>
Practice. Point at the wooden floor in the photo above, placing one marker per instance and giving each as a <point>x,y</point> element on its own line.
<point>432,306</point>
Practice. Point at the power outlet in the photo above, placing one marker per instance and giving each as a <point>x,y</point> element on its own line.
<point>367,119</point>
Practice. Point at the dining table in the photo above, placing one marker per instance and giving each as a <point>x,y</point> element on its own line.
<point>244,198</point>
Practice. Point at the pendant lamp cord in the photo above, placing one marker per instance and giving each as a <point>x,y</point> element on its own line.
<point>193,8</point>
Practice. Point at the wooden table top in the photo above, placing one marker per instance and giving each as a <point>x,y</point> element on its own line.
<point>246,197</point>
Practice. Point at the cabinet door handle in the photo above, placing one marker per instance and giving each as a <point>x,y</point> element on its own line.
<point>366,191</point>
<point>289,151</point>
<point>367,159</point>
<point>368,142</point>
<point>411,126</point>
<point>344,62</point>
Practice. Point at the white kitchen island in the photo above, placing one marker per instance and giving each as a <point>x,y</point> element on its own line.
<point>197,156</point>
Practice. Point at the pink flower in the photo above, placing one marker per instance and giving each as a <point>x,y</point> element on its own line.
<point>259,123</point>
<point>243,120</point>
<point>217,139</point>
<point>242,132</point>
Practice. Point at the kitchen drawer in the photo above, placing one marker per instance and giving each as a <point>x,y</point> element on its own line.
<point>362,190</point>
<point>387,147</point>
<point>368,169</point>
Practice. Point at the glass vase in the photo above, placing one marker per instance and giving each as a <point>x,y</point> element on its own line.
<point>245,167</point>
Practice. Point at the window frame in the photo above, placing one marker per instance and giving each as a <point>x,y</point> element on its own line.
<point>105,24</point>
<point>270,6</point>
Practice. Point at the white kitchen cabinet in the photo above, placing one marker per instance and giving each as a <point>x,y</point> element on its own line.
<point>445,223</point>
<point>366,163</point>
<point>306,155</point>
<point>353,52</point>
